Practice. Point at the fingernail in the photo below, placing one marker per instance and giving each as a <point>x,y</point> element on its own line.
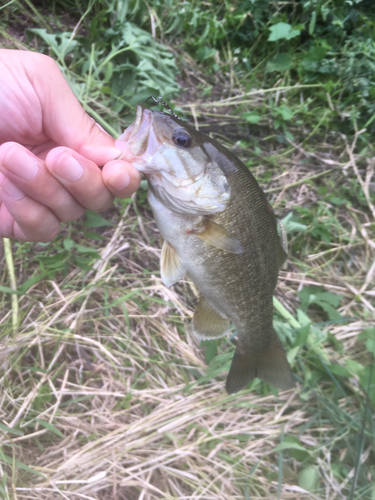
<point>21,164</point>
<point>12,190</point>
<point>68,168</point>
<point>101,128</point>
<point>119,178</point>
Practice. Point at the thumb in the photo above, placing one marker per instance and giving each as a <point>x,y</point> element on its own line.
<point>64,119</point>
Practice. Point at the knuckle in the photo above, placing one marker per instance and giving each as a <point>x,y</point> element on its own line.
<point>99,206</point>
<point>5,149</point>
<point>40,226</point>
<point>78,212</point>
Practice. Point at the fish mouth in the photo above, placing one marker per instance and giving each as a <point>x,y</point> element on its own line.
<point>137,133</point>
<point>142,142</point>
<point>150,152</point>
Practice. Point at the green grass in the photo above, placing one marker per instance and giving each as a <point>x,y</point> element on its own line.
<point>104,394</point>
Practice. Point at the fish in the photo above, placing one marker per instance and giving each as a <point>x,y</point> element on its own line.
<point>219,230</point>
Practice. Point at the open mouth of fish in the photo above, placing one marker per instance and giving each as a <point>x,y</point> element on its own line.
<point>140,137</point>
<point>143,143</point>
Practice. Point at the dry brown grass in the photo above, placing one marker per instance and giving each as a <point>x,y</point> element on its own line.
<point>104,394</point>
<point>107,394</point>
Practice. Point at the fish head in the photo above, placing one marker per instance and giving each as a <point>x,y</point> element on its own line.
<point>174,160</point>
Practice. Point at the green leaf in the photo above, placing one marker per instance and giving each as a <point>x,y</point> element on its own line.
<point>31,281</point>
<point>205,53</point>
<point>292,225</point>
<point>251,117</point>
<point>332,313</point>
<point>286,113</point>
<point>308,479</point>
<point>68,243</point>
<point>285,445</point>
<point>61,43</point>
<point>93,219</point>
<point>369,336</point>
<point>5,428</point>
<point>7,289</point>
<point>281,62</point>
<point>211,351</point>
<point>282,31</point>
<point>93,236</point>
<point>50,427</point>
<point>83,263</point>
<point>339,370</point>
<point>312,23</point>
<point>83,249</point>
<point>367,383</point>
<point>20,465</point>
<point>302,335</point>
<point>354,367</point>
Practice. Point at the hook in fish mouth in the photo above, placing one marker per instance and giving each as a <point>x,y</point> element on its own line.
<point>163,103</point>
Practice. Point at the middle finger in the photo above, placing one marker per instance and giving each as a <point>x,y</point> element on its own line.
<point>29,173</point>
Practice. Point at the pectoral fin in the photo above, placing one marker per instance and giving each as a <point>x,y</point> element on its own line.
<point>207,322</point>
<point>269,364</point>
<point>171,268</point>
<point>215,235</point>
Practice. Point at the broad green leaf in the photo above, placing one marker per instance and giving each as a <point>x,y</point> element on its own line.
<point>205,53</point>
<point>93,219</point>
<point>286,113</point>
<point>308,479</point>
<point>61,43</point>
<point>281,62</point>
<point>251,117</point>
<point>282,31</point>
<point>68,243</point>
<point>339,370</point>
<point>354,367</point>
<point>93,236</point>
<point>292,225</point>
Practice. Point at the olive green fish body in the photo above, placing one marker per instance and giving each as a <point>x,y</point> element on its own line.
<point>232,253</point>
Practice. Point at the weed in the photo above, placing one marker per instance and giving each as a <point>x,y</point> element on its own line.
<point>104,394</point>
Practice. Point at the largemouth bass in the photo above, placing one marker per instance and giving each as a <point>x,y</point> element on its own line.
<point>217,228</point>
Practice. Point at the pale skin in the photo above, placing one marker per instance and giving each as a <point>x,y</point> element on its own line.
<point>51,151</point>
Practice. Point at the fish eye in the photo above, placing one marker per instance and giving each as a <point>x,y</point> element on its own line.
<point>181,138</point>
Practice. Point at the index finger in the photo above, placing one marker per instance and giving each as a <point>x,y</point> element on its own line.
<point>81,177</point>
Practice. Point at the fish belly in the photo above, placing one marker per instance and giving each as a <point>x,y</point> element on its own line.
<point>204,264</point>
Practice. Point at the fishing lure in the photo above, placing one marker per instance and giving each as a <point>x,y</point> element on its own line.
<point>159,100</point>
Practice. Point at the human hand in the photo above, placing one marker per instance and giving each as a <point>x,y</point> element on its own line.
<point>50,150</point>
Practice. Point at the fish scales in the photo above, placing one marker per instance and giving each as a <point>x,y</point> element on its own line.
<point>217,228</point>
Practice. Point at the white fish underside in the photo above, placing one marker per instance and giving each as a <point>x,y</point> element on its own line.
<point>174,228</point>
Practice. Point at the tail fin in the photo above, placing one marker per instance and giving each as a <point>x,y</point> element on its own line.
<point>270,365</point>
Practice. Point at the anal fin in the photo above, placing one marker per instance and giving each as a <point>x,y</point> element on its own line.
<point>171,268</point>
<point>207,322</point>
<point>269,364</point>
